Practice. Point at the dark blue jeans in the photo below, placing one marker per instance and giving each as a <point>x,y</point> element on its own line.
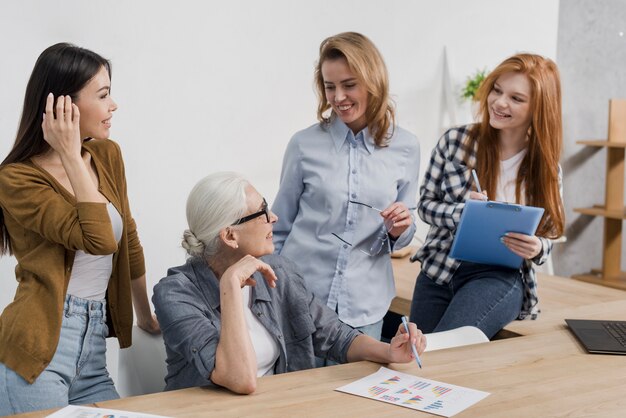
<point>483,296</point>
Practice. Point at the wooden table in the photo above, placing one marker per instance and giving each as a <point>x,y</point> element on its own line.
<point>546,374</point>
<point>404,273</point>
<point>562,297</point>
<point>559,298</point>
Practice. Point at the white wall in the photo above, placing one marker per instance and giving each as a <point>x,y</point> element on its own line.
<point>205,86</point>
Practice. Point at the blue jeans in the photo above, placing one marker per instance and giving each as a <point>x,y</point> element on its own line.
<point>487,297</point>
<point>374,330</point>
<point>77,373</point>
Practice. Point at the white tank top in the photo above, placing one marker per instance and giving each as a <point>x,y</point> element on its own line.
<point>265,347</point>
<point>91,273</point>
<point>505,190</point>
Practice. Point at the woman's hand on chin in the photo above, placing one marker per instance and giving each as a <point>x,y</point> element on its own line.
<point>241,272</point>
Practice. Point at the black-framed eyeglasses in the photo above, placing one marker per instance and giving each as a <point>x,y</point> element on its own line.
<point>264,211</point>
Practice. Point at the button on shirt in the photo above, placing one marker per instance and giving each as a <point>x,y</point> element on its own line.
<point>324,167</point>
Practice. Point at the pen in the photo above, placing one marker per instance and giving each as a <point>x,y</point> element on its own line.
<point>476,182</point>
<point>406,327</point>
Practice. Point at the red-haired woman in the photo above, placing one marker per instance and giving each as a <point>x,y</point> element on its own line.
<point>515,150</point>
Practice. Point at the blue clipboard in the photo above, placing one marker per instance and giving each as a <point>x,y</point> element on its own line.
<point>482,224</point>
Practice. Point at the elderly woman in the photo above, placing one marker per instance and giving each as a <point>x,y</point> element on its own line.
<point>234,311</point>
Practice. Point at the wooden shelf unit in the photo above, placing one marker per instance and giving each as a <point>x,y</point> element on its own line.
<point>613,210</point>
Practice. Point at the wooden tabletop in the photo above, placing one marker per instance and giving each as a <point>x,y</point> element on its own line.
<point>404,273</point>
<point>546,374</point>
<point>559,298</point>
<point>543,372</point>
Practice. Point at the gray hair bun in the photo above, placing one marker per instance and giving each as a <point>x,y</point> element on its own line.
<point>193,245</point>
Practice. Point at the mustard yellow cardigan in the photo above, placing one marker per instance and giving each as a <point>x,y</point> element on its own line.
<point>46,227</point>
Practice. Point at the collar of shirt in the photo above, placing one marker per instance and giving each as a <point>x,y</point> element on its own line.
<point>341,134</point>
<point>205,280</point>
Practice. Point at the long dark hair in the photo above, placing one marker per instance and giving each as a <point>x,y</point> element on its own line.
<point>62,69</point>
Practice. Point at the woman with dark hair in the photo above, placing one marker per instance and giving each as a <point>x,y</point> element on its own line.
<point>65,217</point>
<point>515,150</point>
<point>334,176</point>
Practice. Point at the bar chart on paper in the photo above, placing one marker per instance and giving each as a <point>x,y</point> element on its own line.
<point>414,392</point>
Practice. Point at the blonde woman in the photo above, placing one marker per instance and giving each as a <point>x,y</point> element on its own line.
<point>354,157</point>
<point>515,150</point>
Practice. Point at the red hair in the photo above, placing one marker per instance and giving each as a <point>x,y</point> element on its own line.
<point>539,171</point>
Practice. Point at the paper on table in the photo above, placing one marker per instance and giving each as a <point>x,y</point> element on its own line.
<point>414,392</point>
<point>73,411</point>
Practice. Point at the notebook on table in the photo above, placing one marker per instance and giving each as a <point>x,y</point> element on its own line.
<point>598,336</point>
<point>482,224</point>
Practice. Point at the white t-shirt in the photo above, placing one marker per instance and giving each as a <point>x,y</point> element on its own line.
<point>505,190</point>
<point>91,273</point>
<point>265,347</point>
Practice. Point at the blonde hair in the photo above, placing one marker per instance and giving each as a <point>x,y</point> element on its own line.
<point>539,170</point>
<point>367,64</point>
<point>215,202</point>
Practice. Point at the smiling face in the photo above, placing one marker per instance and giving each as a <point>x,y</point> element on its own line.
<point>509,103</point>
<point>345,93</point>
<point>254,237</point>
<point>96,106</point>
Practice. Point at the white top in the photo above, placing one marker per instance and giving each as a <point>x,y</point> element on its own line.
<point>265,347</point>
<point>91,273</point>
<point>505,190</point>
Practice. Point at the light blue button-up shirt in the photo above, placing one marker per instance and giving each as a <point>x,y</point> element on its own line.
<point>324,166</point>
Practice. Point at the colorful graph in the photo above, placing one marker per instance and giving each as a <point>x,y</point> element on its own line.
<point>415,399</point>
<point>440,390</point>
<point>376,390</point>
<point>414,392</point>
<point>419,385</point>
<point>434,405</point>
<point>391,381</point>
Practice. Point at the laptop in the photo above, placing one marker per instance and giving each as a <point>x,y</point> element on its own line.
<point>600,337</point>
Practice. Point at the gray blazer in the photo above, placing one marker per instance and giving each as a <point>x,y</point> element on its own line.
<point>187,305</point>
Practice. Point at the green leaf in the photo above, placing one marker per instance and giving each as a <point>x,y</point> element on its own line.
<point>472,84</point>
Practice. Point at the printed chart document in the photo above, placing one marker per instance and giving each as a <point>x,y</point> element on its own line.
<point>414,392</point>
<point>73,411</point>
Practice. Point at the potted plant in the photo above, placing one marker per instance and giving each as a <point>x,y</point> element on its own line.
<point>472,84</point>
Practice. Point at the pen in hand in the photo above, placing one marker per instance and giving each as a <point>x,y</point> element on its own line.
<point>406,327</point>
<point>482,195</point>
<point>476,182</point>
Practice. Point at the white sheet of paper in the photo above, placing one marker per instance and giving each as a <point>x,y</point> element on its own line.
<point>73,411</point>
<point>414,392</point>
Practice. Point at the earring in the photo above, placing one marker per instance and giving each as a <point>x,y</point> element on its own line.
<point>236,245</point>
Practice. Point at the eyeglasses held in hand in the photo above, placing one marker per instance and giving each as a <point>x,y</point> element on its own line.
<point>376,209</point>
<point>264,211</point>
<point>381,239</point>
<point>376,246</point>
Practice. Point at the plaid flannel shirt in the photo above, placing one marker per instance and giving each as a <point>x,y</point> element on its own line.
<point>445,189</point>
